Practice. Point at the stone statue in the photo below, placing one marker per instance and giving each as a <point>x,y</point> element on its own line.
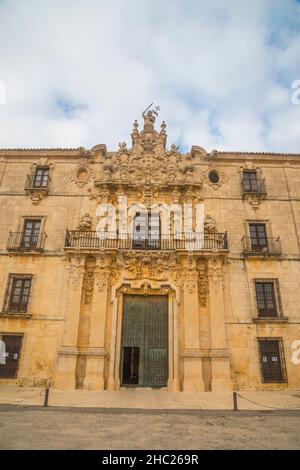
<point>210,224</point>
<point>122,147</point>
<point>149,120</point>
<point>85,223</point>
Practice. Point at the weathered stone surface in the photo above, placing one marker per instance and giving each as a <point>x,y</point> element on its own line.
<point>72,332</point>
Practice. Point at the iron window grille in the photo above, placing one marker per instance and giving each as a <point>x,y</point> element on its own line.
<point>17,293</point>
<point>10,351</point>
<point>272,360</point>
<point>268,299</point>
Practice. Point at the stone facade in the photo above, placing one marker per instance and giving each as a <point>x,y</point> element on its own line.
<point>72,322</point>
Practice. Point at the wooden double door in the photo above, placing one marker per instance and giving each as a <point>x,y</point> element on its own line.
<point>144,341</point>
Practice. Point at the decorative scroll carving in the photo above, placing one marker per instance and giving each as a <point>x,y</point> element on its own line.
<point>82,175</point>
<point>146,265</point>
<point>76,276</point>
<point>202,282</point>
<point>103,194</point>
<point>255,200</point>
<point>215,270</point>
<point>222,177</point>
<point>101,277</point>
<point>147,161</point>
<point>88,281</point>
<point>37,196</point>
<point>190,279</point>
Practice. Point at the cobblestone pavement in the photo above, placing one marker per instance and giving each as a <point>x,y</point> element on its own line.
<point>62,428</point>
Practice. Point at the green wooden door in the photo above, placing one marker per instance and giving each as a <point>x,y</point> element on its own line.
<point>145,340</point>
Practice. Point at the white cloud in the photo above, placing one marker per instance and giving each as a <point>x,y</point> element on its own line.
<point>220,70</point>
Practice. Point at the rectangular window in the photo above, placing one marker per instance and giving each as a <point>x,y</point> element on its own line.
<point>41,177</point>
<point>10,349</point>
<point>258,237</point>
<point>146,231</point>
<point>265,298</point>
<point>17,293</point>
<point>31,232</point>
<point>272,360</point>
<point>250,183</point>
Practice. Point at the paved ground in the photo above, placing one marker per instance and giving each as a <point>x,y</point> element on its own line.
<point>65,428</point>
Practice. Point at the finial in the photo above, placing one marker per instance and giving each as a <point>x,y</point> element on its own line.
<point>163,127</point>
<point>135,126</point>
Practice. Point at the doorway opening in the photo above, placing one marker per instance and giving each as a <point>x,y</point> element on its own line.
<point>144,341</point>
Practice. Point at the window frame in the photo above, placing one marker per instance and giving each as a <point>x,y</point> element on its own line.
<point>247,180</point>
<point>30,244</point>
<point>147,239</point>
<point>258,247</point>
<point>281,356</point>
<point>16,369</point>
<point>9,292</point>
<point>275,298</point>
<point>44,169</point>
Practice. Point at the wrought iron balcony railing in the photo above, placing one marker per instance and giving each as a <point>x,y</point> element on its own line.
<point>254,187</point>
<point>197,241</point>
<point>19,241</point>
<point>269,246</point>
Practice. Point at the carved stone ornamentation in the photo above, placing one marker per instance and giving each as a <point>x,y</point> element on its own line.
<point>202,283</point>
<point>85,223</point>
<point>147,162</point>
<point>210,225</point>
<point>88,282</point>
<point>190,277</point>
<point>37,196</point>
<point>101,277</point>
<point>215,270</point>
<point>255,200</point>
<point>76,274</point>
<point>146,265</point>
<point>82,175</point>
<point>101,194</point>
<point>214,177</point>
<point>37,193</point>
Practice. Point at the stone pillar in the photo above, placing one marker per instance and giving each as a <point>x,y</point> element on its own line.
<point>94,375</point>
<point>173,342</point>
<point>113,340</point>
<point>220,358</point>
<point>67,355</point>
<point>192,360</point>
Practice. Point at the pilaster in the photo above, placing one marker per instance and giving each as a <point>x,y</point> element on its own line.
<point>221,379</point>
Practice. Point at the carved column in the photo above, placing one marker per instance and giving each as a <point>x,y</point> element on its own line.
<point>192,360</point>
<point>67,355</point>
<point>221,379</point>
<point>94,375</point>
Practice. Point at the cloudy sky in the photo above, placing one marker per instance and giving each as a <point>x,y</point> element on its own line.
<point>78,72</point>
